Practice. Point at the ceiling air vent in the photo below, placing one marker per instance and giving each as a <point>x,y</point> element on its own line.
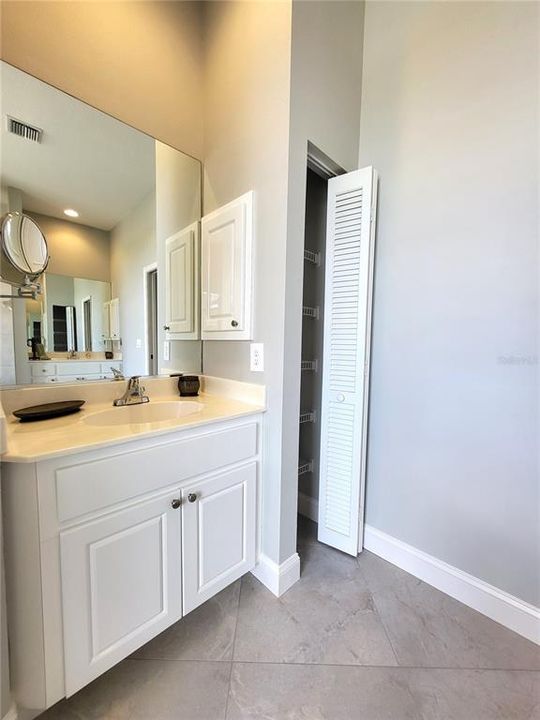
<point>22,129</point>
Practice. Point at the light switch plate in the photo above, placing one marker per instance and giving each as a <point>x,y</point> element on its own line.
<point>166,350</point>
<point>138,343</point>
<point>256,357</point>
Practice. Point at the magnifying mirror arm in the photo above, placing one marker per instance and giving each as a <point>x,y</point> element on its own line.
<point>29,290</point>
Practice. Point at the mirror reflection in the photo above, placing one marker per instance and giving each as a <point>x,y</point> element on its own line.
<point>24,248</point>
<point>115,207</point>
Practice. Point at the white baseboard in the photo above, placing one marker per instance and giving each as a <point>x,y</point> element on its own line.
<point>506,609</point>
<point>11,714</point>
<point>308,507</point>
<point>277,578</point>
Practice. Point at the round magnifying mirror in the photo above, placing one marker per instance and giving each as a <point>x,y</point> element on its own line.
<point>24,246</point>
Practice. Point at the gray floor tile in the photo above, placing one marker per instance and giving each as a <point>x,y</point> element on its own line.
<point>328,617</point>
<point>429,629</point>
<point>207,633</point>
<point>476,694</point>
<point>150,690</point>
<point>182,691</point>
<point>315,692</point>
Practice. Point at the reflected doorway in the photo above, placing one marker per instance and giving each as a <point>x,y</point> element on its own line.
<point>151,320</point>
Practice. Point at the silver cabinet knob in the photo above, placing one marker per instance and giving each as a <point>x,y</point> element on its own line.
<point>192,497</point>
<point>175,504</point>
<point>234,323</point>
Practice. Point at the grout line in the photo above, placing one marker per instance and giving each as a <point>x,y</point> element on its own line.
<point>233,649</point>
<point>377,613</point>
<point>386,667</point>
<point>450,668</point>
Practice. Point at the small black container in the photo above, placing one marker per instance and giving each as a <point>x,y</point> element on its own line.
<point>189,385</point>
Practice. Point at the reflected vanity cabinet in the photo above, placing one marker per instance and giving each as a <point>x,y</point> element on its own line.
<point>70,371</point>
<point>107,548</point>
<point>227,274</point>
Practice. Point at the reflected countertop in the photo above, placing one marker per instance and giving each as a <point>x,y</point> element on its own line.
<point>55,437</point>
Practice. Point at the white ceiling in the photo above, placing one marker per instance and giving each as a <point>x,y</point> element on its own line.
<point>86,160</point>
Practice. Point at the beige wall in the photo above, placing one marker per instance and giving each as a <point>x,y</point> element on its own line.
<point>247,94</point>
<point>76,250</point>
<point>138,61</point>
<point>450,121</point>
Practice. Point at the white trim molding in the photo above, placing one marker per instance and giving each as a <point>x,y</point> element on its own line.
<point>506,609</point>
<point>11,714</point>
<point>277,578</point>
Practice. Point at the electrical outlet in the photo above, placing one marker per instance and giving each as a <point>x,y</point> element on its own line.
<point>256,357</point>
<point>166,350</point>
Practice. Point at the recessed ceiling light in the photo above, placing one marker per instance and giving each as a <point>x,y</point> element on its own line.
<point>71,213</point>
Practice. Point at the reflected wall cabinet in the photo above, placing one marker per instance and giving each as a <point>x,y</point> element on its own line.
<point>182,284</point>
<point>227,276</point>
<point>111,320</point>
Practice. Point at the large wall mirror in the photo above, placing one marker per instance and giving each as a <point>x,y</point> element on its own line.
<point>119,211</point>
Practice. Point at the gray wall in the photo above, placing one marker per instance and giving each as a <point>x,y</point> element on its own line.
<point>450,120</point>
<point>178,204</point>
<point>133,246</point>
<point>275,77</point>
<point>246,148</point>
<point>326,86</point>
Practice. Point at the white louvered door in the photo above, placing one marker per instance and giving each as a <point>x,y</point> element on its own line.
<point>347,329</point>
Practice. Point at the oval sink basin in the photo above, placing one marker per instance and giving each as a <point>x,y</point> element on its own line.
<point>151,412</point>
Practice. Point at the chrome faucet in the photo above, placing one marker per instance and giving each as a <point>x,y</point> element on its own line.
<point>134,394</point>
<point>117,374</point>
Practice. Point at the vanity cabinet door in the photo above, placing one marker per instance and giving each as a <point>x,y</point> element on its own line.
<point>227,237</point>
<point>121,585</point>
<point>218,532</point>
<point>182,284</point>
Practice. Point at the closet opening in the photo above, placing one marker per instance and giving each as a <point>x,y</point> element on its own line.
<point>312,348</point>
<point>336,334</point>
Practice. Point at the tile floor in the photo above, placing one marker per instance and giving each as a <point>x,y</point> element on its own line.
<point>355,639</point>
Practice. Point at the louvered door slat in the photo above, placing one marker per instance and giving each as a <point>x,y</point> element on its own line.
<point>347,315</point>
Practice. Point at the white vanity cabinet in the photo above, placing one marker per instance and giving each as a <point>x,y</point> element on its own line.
<point>69,371</point>
<point>227,273</point>
<point>218,532</point>
<point>107,548</point>
<point>121,584</point>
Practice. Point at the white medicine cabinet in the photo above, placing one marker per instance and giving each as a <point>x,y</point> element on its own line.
<point>227,255</point>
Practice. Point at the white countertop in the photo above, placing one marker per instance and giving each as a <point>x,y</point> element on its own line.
<point>55,437</point>
<point>75,360</point>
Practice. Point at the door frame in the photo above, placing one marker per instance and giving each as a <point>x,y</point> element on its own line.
<point>84,300</point>
<point>147,271</point>
<point>326,168</point>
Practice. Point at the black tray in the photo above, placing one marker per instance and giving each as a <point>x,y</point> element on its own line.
<point>49,410</point>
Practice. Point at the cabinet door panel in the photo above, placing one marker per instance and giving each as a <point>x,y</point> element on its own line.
<point>181,284</point>
<point>114,318</point>
<point>121,586</point>
<point>218,533</point>
<point>226,271</point>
